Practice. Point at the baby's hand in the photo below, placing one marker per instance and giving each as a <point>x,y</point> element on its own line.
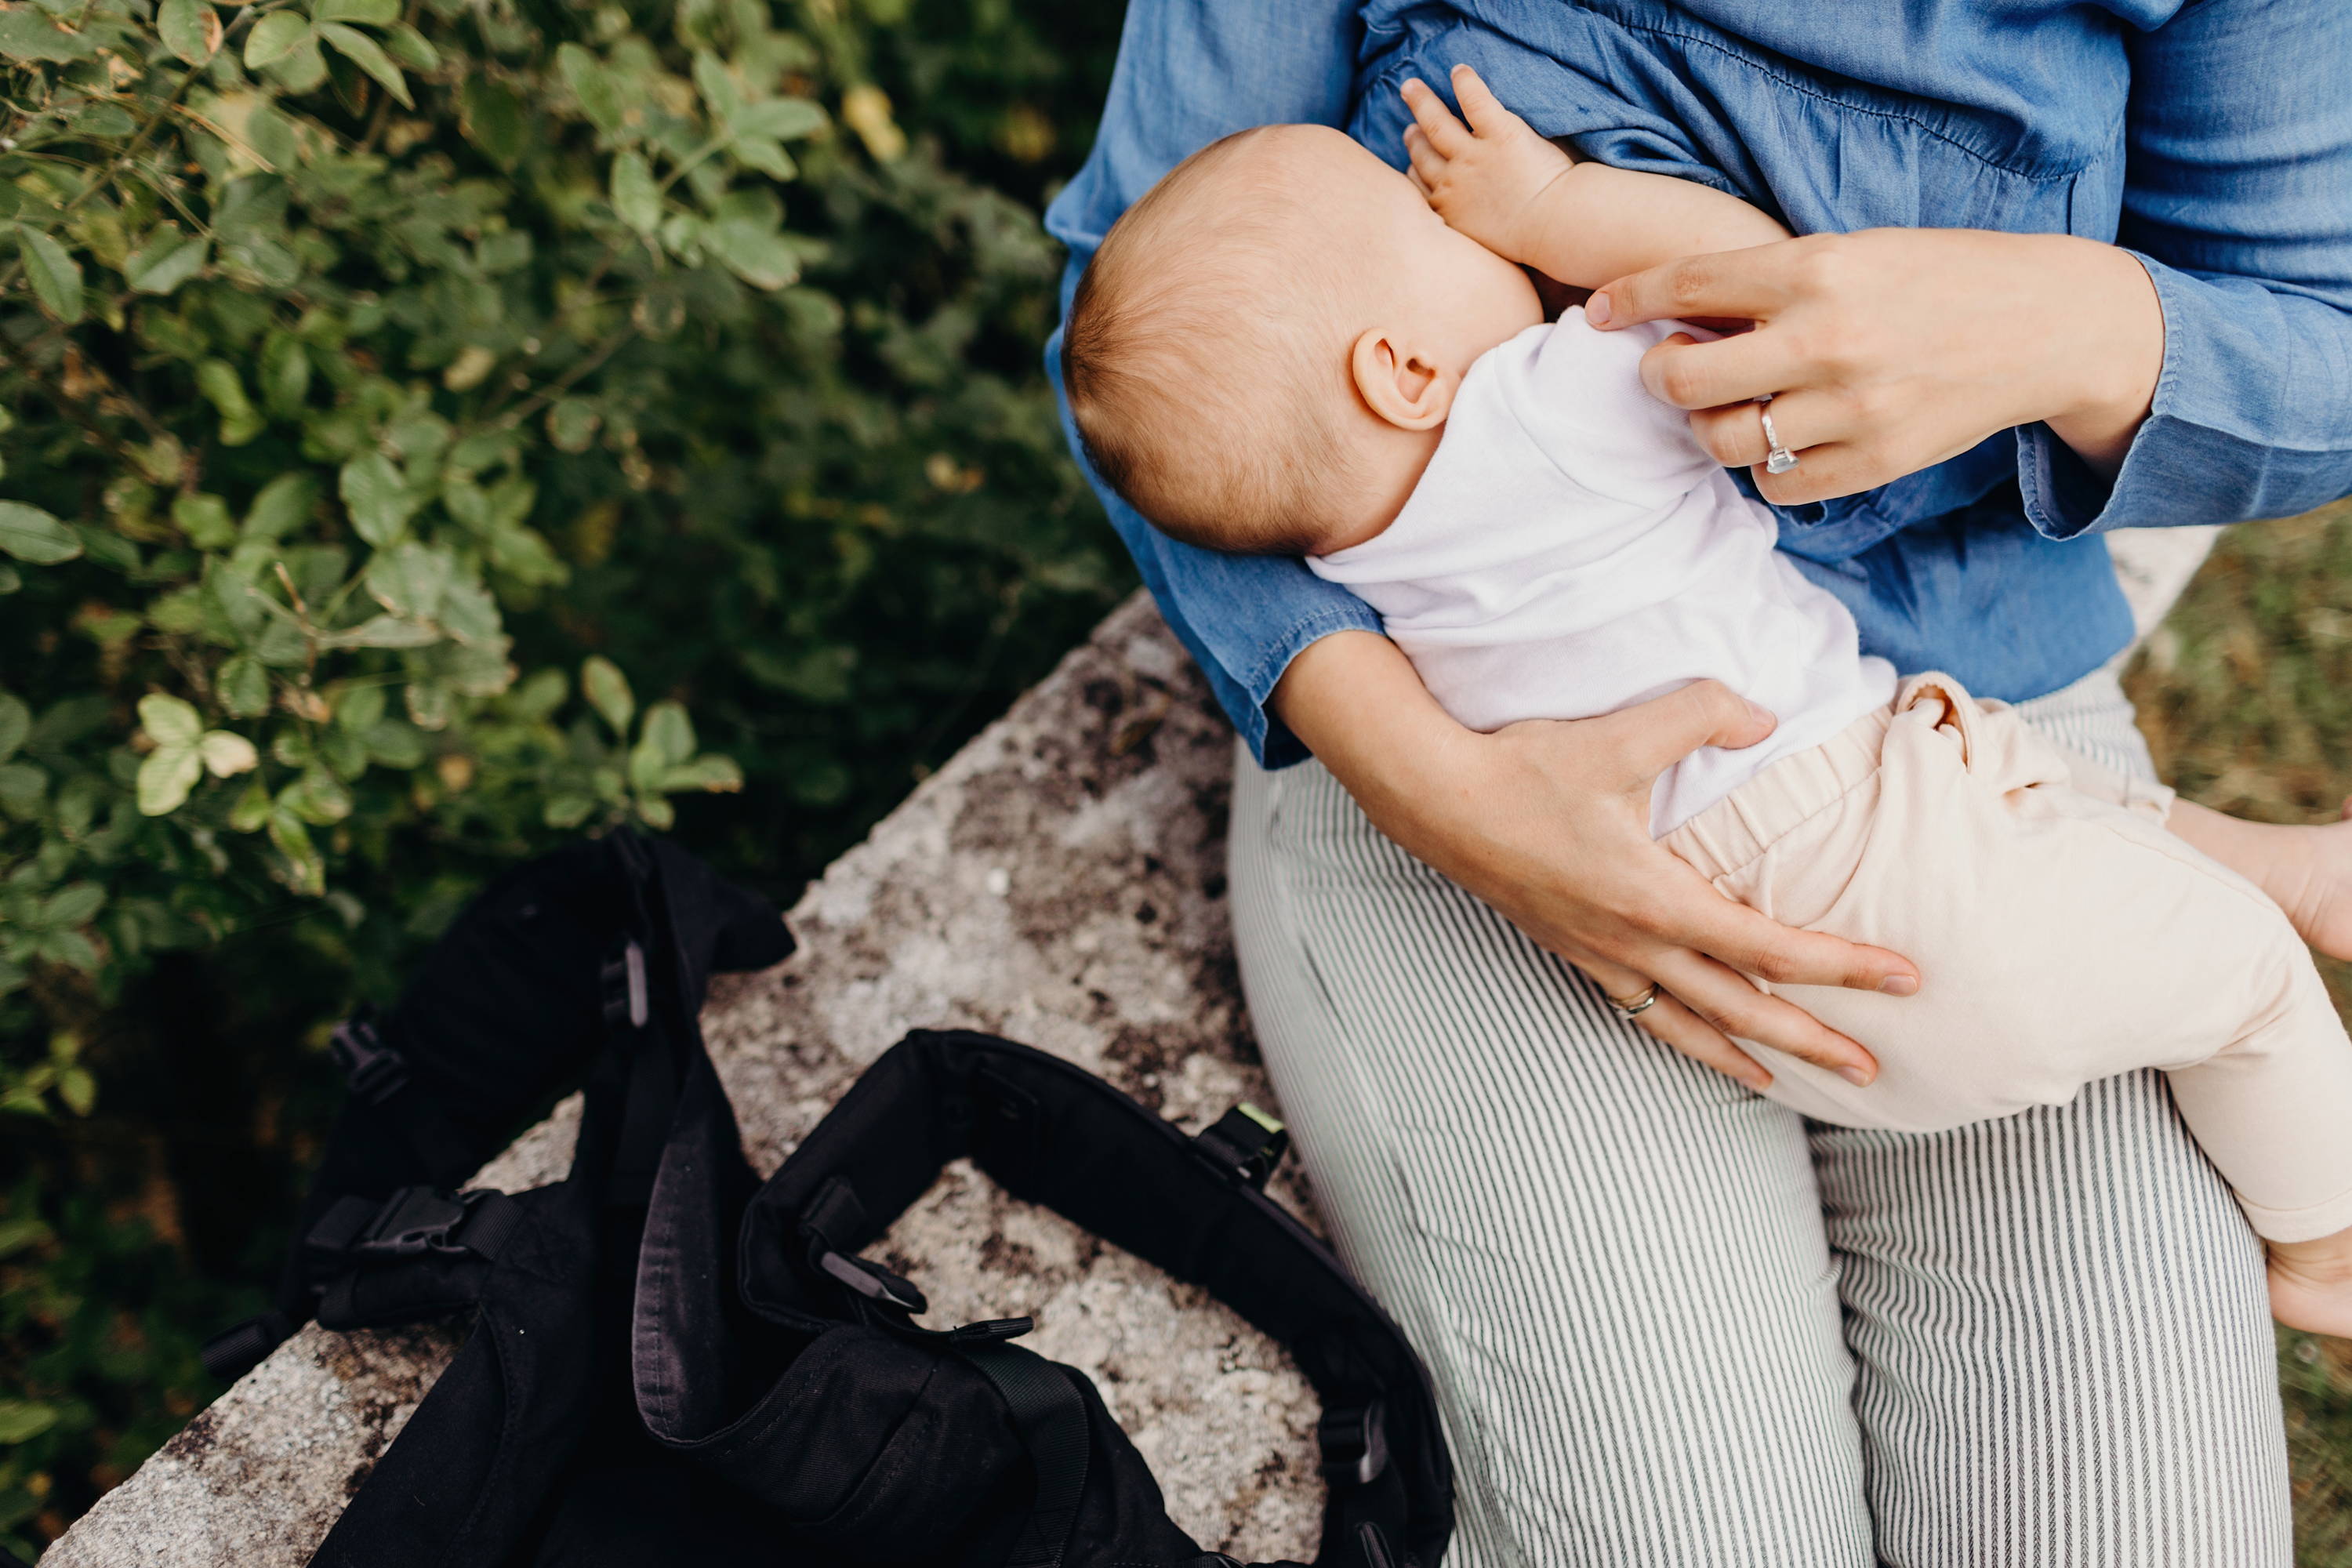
<point>1483,178</point>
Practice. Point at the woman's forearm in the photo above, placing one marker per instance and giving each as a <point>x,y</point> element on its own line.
<point>2120,326</point>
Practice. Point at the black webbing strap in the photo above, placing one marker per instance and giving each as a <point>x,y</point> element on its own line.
<point>1051,1420</point>
<point>378,1077</point>
<point>239,1348</point>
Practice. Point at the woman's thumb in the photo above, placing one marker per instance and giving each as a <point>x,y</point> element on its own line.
<point>1664,730</point>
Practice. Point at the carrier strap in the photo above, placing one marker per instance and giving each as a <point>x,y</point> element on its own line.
<point>1051,1420</point>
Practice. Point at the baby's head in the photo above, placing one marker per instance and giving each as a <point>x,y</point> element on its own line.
<point>1260,356</point>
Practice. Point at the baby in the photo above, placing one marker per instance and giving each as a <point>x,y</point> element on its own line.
<point>1285,348</point>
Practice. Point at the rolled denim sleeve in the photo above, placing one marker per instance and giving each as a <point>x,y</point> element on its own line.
<point>1190,72</point>
<point>2238,201</point>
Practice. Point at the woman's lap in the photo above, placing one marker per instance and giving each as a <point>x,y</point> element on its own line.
<point>2037,1341</point>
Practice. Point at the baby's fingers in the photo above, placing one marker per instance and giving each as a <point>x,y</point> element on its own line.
<point>1485,111</point>
<point>1428,167</point>
<point>1447,134</point>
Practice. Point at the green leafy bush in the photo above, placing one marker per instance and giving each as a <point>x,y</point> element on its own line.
<point>409,413</point>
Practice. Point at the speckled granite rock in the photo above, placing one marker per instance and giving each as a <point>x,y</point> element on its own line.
<point>1060,881</point>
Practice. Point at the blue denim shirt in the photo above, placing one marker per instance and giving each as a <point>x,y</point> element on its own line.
<point>2213,139</point>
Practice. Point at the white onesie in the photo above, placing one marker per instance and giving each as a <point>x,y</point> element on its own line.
<point>1571,549</point>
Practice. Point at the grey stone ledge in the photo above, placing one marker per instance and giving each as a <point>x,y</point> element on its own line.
<point>1061,881</point>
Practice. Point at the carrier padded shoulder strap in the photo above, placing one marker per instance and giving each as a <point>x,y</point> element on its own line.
<point>1051,1133</point>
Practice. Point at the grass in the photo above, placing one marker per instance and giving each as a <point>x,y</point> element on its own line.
<point>2245,694</point>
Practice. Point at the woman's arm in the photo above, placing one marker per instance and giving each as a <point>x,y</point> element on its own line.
<point>1548,822</point>
<point>1188,72</point>
<point>2200,371</point>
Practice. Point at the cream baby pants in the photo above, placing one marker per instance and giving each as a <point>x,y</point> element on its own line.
<point>2061,936</point>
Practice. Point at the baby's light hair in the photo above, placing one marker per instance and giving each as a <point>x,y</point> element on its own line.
<point>1204,363</point>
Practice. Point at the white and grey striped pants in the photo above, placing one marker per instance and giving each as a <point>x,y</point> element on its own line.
<point>1672,1324</point>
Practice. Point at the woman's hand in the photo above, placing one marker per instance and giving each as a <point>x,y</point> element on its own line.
<point>1891,350</point>
<point>1548,822</point>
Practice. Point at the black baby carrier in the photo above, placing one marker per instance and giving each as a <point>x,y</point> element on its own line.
<point>670,1362</point>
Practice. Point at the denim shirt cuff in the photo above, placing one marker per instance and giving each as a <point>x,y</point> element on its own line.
<point>1268,737</point>
<point>2179,468</point>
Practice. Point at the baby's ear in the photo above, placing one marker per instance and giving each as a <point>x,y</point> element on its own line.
<point>1398,384</point>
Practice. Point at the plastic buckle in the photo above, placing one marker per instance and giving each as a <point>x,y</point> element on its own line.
<point>991,1331</point>
<point>375,1071</point>
<point>1245,1141</point>
<point>1355,1443</point>
<point>414,1221</point>
<point>623,978</point>
<point>874,1283</point>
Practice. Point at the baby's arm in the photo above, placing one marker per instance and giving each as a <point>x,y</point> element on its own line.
<point>1584,223</point>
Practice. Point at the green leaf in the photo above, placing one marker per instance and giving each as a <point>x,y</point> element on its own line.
<point>386,631</point>
<point>168,259</point>
<point>395,745</point>
<point>293,841</point>
<point>658,813</point>
<point>720,93</point>
<point>205,520</point>
<point>492,118</point>
<point>217,380</point>
<point>10,579</point>
<point>317,798</point>
<point>252,807</point>
<point>27,35</point>
<point>28,533</point>
<point>669,733</point>
<point>16,722</point>
<point>410,578</point>
<point>757,254</point>
<point>168,722</point>
<point>165,778</point>
<point>768,157</point>
<point>593,86</point>
<point>304,70</point>
<point>373,13</point>
<point>189,29</point>
<point>70,947</point>
<point>73,904</point>
<point>368,55</point>
<point>717,775</point>
<point>273,37</point>
<point>607,690</point>
<point>412,48</point>
<point>777,118</point>
<point>23,788</point>
<point>55,276</point>
<point>635,197</point>
<point>243,687</point>
<point>571,423</point>
<point>285,374</point>
<point>281,506</point>
<point>21,1422</point>
<point>78,1089</point>
<point>376,498</point>
<point>227,754</point>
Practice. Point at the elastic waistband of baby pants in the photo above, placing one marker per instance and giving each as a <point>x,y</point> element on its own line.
<point>1742,825</point>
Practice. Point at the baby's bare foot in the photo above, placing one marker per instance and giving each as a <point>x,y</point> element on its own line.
<point>2311,1284</point>
<point>2313,883</point>
<point>2306,870</point>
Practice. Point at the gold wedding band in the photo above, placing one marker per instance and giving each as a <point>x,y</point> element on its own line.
<point>1638,1005</point>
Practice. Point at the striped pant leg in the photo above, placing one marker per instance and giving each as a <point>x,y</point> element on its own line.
<point>1611,1260</point>
<point>2065,1352</point>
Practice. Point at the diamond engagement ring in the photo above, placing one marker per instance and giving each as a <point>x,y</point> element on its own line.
<point>1639,1004</point>
<point>1777,459</point>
